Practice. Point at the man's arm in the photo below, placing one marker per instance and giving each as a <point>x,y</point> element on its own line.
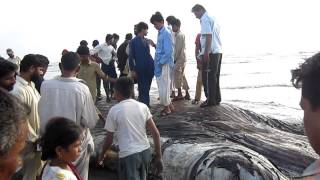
<point>178,46</point>
<point>106,145</point>
<point>103,76</point>
<point>168,49</point>
<point>157,146</point>
<point>207,47</point>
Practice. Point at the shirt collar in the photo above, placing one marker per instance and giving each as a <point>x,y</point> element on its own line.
<point>69,79</point>
<point>162,29</point>
<point>23,81</point>
<point>203,16</point>
<point>89,63</point>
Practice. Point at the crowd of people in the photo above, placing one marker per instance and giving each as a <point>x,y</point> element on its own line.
<point>45,124</point>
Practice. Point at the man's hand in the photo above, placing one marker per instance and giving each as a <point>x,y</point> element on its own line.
<point>113,80</point>
<point>159,165</point>
<point>134,75</point>
<point>199,64</point>
<point>151,43</point>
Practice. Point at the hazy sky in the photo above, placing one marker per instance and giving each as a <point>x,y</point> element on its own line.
<point>247,26</point>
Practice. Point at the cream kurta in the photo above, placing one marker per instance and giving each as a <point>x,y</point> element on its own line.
<point>31,160</point>
<point>27,92</point>
<point>70,98</point>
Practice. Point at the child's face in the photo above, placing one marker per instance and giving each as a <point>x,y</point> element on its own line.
<point>72,152</point>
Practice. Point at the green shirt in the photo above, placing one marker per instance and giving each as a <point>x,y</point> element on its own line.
<point>88,73</point>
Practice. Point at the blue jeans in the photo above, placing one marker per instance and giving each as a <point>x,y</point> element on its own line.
<point>135,166</point>
<point>110,71</point>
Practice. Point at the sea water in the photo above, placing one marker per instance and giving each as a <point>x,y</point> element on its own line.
<point>260,83</point>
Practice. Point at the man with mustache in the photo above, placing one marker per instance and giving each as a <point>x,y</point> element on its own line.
<point>30,68</point>
<point>7,74</point>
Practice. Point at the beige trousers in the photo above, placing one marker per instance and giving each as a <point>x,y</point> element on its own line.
<point>180,80</point>
<point>199,86</point>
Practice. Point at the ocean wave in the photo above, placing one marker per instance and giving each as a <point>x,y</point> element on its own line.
<point>258,86</point>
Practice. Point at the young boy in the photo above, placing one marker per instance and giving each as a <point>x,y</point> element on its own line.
<point>131,119</point>
<point>307,76</point>
<point>180,60</point>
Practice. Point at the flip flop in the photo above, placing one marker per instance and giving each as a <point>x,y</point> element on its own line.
<point>195,101</point>
<point>178,98</point>
<point>165,113</point>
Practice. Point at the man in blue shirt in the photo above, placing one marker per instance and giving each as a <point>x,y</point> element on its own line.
<point>141,62</point>
<point>211,53</point>
<point>163,62</point>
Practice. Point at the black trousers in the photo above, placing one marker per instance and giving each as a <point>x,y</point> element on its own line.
<point>210,78</point>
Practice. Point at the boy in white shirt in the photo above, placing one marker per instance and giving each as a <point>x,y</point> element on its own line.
<point>131,119</point>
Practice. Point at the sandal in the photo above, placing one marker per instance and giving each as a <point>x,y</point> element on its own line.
<point>165,112</point>
<point>195,101</point>
<point>178,98</point>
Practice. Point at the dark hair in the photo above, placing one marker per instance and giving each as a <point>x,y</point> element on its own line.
<point>157,17</point>
<point>58,132</point>
<point>95,43</point>
<point>307,76</point>
<point>7,67</point>
<point>13,113</point>
<point>83,43</point>
<point>28,61</point>
<point>115,36</point>
<point>135,30</point>
<point>124,86</point>
<point>2,59</point>
<point>141,26</point>
<point>70,61</point>
<point>197,8</point>
<point>170,19</point>
<point>108,37</point>
<point>128,36</point>
<point>177,22</point>
<point>43,59</point>
<point>83,50</point>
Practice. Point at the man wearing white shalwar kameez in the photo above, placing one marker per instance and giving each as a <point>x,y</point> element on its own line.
<point>163,62</point>
<point>67,96</point>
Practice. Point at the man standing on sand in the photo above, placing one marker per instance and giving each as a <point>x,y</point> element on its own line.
<point>211,53</point>
<point>122,55</point>
<point>98,61</point>
<point>14,59</point>
<point>163,62</point>
<point>141,63</point>
<point>25,90</point>
<point>131,120</point>
<point>197,96</point>
<point>180,60</point>
<point>89,70</point>
<point>66,96</point>
<point>170,20</point>
<point>307,77</point>
<point>106,52</point>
